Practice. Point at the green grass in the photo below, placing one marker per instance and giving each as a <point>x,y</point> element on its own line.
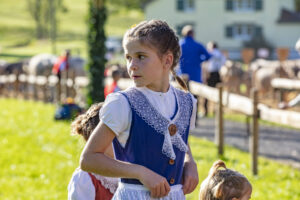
<point>17,30</point>
<point>38,157</point>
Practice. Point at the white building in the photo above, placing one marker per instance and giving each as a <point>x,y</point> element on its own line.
<point>231,22</point>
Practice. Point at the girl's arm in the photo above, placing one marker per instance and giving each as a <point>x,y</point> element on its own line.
<point>94,160</point>
<point>190,173</point>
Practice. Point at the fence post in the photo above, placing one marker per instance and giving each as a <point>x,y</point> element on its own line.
<point>16,85</point>
<point>58,90</point>
<point>253,142</point>
<point>219,134</point>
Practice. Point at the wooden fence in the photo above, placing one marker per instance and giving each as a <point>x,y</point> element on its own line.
<point>282,85</point>
<point>248,107</point>
<point>44,88</point>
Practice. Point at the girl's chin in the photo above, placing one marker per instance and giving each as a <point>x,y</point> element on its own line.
<point>139,85</point>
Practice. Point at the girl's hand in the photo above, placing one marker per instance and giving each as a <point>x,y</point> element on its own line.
<point>157,184</point>
<point>190,177</point>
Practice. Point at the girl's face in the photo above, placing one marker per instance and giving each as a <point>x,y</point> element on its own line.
<point>146,68</point>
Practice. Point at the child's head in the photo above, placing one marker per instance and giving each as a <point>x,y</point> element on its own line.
<point>225,184</point>
<point>116,74</point>
<point>85,123</point>
<point>155,35</point>
<point>212,45</point>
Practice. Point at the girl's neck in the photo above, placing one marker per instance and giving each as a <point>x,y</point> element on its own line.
<point>163,87</point>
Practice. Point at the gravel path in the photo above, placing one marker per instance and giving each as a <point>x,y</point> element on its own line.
<point>281,144</point>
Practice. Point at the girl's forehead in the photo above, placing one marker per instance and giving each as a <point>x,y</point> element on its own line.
<point>135,45</point>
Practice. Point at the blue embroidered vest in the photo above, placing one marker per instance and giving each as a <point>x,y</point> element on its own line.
<point>149,143</point>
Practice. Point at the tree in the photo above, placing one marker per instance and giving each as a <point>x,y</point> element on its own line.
<point>140,4</point>
<point>96,50</point>
<point>297,5</point>
<point>44,13</point>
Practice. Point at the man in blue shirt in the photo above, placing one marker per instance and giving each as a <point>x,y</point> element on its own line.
<point>193,54</point>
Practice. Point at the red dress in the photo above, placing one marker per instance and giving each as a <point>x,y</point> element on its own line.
<point>101,192</point>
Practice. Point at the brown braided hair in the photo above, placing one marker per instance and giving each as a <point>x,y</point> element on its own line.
<point>85,123</point>
<point>158,35</point>
<point>223,184</point>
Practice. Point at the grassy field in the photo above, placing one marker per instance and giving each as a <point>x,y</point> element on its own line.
<point>17,30</point>
<point>38,157</point>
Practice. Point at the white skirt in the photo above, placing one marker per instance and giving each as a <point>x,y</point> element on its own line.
<point>127,191</point>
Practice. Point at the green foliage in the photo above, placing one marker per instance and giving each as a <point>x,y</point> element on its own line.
<point>297,5</point>
<point>96,51</point>
<point>137,4</point>
<point>44,13</point>
<point>17,29</point>
<point>38,157</point>
<point>38,154</point>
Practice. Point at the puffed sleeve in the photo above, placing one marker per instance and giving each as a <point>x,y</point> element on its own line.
<point>194,113</point>
<point>116,113</point>
<point>81,186</point>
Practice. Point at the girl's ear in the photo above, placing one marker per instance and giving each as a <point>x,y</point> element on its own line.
<point>168,60</point>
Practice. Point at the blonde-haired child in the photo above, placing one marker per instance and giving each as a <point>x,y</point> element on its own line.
<point>84,185</point>
<point>225,184</point>
<point>148,124</point>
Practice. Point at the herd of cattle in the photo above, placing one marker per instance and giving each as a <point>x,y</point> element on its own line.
<point>258,74</point>
<point>234,74</point>
<point>41,65</point>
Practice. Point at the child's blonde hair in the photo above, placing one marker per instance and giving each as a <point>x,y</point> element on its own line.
<point>85,123</point>
<point>223,184</point>
<point>158,35</point>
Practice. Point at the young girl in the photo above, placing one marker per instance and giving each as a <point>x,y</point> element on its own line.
<point>90,186</point>
<point>148,124</point>
<point>225,184</point>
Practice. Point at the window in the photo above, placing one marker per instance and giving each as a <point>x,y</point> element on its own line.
<point>243,31</point>
<point>186,5</point>
<point>244,5</point>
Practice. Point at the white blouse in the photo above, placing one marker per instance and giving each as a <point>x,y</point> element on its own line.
<point>117,115</point>
<point>81,186</point>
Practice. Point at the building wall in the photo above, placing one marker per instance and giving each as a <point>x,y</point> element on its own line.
<point>210,19</point>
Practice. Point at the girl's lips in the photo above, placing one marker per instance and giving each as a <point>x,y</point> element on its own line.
<point>136,77</point>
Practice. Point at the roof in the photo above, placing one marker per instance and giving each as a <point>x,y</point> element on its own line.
<point>287,16</point>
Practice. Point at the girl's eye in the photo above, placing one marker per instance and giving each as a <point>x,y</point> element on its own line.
<point>141,57</point>
<point>128,58</point>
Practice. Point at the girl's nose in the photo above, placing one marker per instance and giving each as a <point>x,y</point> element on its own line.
<point>132,65</point>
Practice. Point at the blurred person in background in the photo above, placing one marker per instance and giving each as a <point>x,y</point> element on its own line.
<point>214,64</point>
<point>113,87</point>
<point>193,54</point>
<point>61,64</point>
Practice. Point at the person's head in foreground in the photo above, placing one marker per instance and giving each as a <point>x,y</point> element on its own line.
<point>225,184</point>
<point>85,123</point>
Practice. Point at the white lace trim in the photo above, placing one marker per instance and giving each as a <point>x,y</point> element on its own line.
<point>141,105</point>
<point>139,192</point>
<point>108,182</point>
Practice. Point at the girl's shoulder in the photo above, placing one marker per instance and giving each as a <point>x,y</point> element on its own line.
<point>116,98</point>
<point>184,93</point>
